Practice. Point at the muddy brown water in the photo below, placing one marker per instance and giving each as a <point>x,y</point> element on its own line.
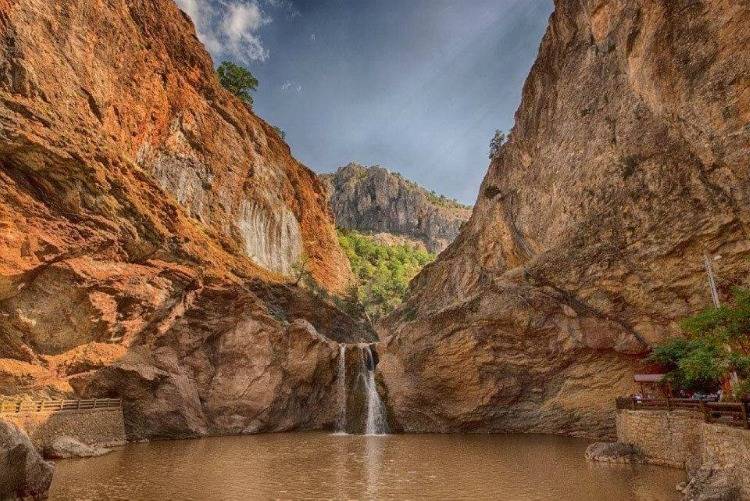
<point>325,466</point>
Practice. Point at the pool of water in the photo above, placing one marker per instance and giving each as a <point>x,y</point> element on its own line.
<point>319,465</point>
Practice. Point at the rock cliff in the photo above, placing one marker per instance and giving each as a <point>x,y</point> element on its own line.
<point>148,219</point>
<point>627,163</point>
<point>373,199</point>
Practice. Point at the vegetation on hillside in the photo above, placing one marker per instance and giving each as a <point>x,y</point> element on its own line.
<point>443,201</point>
<point>715,349</point>
<point>383,272</point>
<point>432,196</point>
<point>280,132</point>
<point>237,80</point>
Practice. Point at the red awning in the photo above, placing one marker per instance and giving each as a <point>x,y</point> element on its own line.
<point>648,378</point>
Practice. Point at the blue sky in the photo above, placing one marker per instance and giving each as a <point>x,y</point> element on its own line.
<point>418,86</point>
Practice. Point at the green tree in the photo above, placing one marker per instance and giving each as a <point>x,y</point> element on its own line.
<point>496,144</point>
<point>716,344</point>
<point>237,80</point>
<point>301,270</point>
<point>383,272</point>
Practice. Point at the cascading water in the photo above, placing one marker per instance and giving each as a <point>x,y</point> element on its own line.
<point>377,423</point>
<point>341,424</point>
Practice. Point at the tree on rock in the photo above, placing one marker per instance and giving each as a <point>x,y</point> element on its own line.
<point>498,140</point>
<point>237,80</point>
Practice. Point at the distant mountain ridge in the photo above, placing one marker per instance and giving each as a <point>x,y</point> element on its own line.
<point>374,199</point>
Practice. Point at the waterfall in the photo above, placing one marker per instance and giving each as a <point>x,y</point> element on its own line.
<point>341,424</point>
<point>377,424</point>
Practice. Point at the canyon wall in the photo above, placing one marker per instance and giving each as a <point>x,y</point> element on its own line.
<point>627,163</point>
<point>131,76</point>
<point>375,200</point>
<point>147,221</point>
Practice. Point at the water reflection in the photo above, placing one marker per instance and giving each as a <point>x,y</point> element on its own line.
<point>317,465</point>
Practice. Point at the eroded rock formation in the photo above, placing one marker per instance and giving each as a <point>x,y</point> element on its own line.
<point>147,220</point>
<point>373,199</point>
<point>627,163</point>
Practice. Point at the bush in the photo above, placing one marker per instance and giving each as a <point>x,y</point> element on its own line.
<point>716,345</point>
<point>382,272</point>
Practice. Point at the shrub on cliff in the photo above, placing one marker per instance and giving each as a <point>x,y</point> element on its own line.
<point>496,144</point>
<point>383,272</point>
<point>717,344</point>
<point>237,80</point>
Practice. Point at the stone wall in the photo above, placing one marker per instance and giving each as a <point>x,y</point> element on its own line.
<point>666,438</point>
<point>99,427</point>
<point>728,448</point>
<point>682,439</point>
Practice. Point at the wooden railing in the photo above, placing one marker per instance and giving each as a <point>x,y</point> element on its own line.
<point>729,413</point>
<point>24,406</point>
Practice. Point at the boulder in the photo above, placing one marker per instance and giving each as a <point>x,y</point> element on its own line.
<point>614,452</point>
<point>68,447</point>
<point>23,472</point>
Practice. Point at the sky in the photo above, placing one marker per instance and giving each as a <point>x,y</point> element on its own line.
<point>417,86</point>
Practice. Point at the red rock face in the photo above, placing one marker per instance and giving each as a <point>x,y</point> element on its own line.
<point>128,81</point>
<point>627,163</point>
<point>135,192</point>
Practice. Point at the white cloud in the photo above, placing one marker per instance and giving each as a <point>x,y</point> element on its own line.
<point>291,86</point>
<point>287,5</point>
<point>242,19</point>
<point>229,28</point>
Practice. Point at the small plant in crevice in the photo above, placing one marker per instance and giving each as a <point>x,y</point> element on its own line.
<point>496,144</point>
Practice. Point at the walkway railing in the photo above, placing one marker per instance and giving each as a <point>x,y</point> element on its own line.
<point>728,413</point>
<point>26,406</point>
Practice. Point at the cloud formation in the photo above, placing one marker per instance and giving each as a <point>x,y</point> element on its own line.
<point>229,28</point>
<point>288,86</point>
